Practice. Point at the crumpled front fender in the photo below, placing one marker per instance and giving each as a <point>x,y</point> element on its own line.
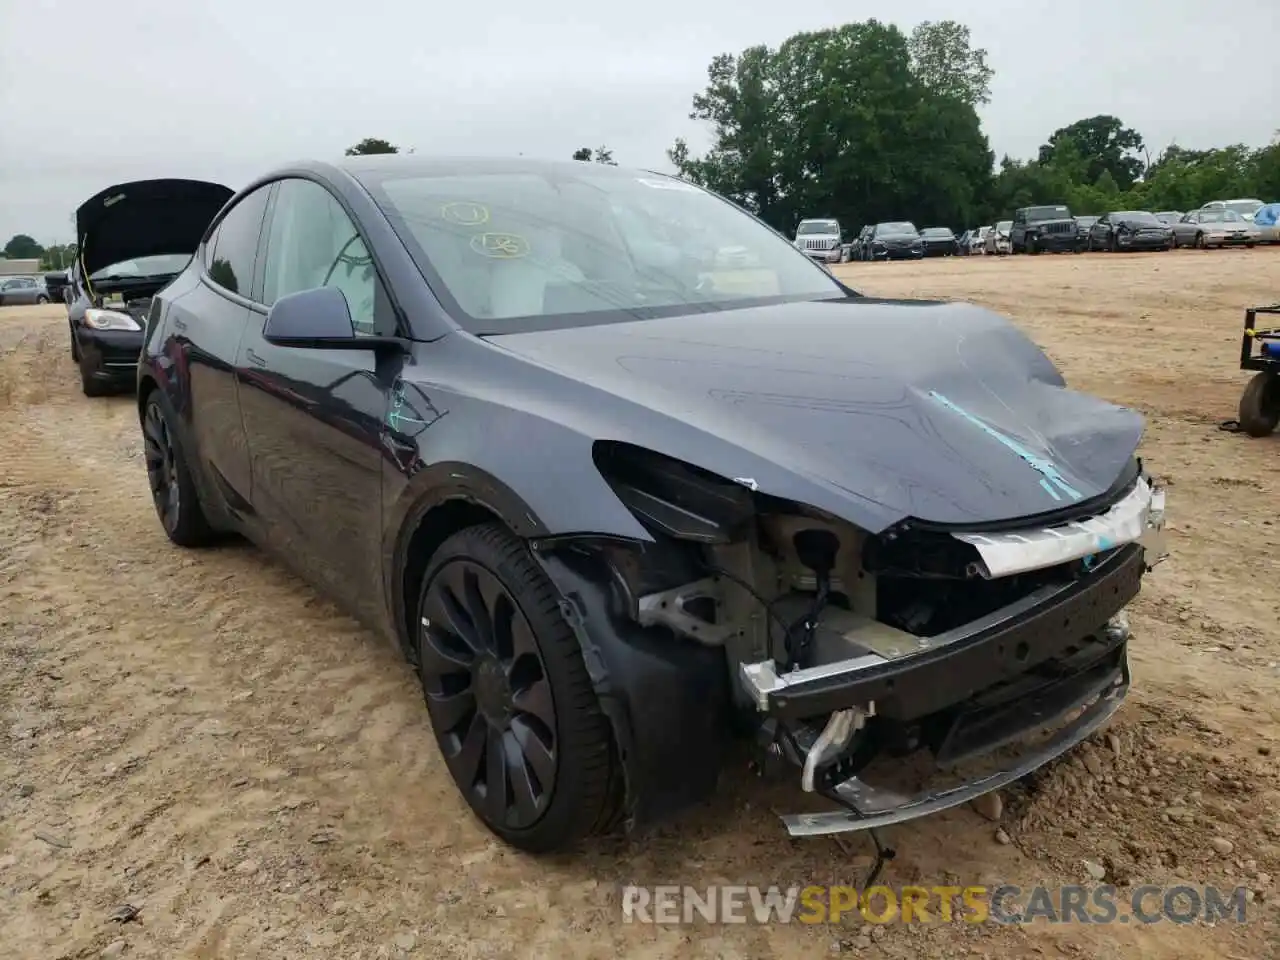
<point>666,699</point>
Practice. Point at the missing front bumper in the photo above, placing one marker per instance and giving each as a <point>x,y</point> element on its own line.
<point>1067,713</point>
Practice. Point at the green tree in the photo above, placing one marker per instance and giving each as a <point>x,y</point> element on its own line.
<point>58,256</point>
<point>371,145</point>
<point>1266,174</point>
<point>599,155</point>
<point>947,64</point>
<point>837,123</point>
<point>23,247</point>
<point>1106,143</point>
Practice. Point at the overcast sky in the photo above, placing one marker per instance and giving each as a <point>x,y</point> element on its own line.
<point>96,92</point>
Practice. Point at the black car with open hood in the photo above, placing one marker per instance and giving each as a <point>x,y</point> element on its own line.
<point>132,240</point>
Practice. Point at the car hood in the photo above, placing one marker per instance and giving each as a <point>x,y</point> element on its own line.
<point>872,410</point>
<point>145,218</point>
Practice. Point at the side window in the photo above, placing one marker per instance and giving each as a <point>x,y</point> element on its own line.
<point>233,246</point>
<point>313,243</point>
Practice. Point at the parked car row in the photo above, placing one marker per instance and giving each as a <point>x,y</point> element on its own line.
<point>1047,228</point>
<point>1054,228</point>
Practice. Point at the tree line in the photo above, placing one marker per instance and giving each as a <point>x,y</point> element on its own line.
<point>865,123</point>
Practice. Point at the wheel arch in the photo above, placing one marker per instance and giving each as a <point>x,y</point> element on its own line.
<point>146,384</point>
<point>670,756</point>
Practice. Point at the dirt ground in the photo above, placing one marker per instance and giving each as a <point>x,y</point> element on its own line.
<point>199,735</point>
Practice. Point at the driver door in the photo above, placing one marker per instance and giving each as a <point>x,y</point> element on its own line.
<point>315,419</point>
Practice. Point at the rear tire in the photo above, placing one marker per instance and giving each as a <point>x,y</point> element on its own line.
<point>1259,413</point>
<point>173,492</point>
<point>494,620</point>
<point>42,300</point>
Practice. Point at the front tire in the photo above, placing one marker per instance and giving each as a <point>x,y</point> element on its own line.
<point>511,705</point>
<point>89,385</point>
<point>42,300</point>
<point>173,492</point>
<point>1259,413</point>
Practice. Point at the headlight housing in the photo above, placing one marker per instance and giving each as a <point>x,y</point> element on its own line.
<point>99,319</point>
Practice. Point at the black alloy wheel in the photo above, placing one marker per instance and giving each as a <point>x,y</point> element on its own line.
<point>162,467</point>
<point>172,489</point>
<point>489,695</point>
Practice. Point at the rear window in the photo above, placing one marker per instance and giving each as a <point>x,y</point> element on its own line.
<point>903,226</point>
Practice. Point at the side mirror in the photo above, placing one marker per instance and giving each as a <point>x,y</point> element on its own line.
<point>318,319</point>
<point>308,317</point>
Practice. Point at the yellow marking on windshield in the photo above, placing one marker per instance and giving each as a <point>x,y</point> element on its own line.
<point>500,246</point>
<point>465,213</point>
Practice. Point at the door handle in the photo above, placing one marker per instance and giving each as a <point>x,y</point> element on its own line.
<point>253,358</point>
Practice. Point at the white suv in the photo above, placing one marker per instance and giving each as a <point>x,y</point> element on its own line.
<point>820,239</point>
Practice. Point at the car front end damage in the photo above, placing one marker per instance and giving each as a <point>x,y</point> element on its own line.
<point>895,674</point>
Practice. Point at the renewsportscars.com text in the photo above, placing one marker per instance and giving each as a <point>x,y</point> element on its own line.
<point>1006,903</point>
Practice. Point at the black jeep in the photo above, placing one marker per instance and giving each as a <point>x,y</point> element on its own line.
<point>1044,228</point>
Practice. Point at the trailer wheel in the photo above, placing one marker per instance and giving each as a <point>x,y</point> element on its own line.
<point>1260,405</point>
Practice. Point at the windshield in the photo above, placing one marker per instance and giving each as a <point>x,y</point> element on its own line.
<point>1004,226</point>
<point>1086,221</point>
<point>939,232</point>
<point>897,229</point>
<point>817,226</point>
<point>1244,206</point>
<point>1035,214</point>
<point>158,265</point>
<point>559,248</point>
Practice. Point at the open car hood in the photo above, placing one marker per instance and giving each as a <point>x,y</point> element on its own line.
<point>145,218</point>
<point>873,410</point>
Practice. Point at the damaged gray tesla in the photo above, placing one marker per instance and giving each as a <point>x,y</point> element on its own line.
<point>629,477</point>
